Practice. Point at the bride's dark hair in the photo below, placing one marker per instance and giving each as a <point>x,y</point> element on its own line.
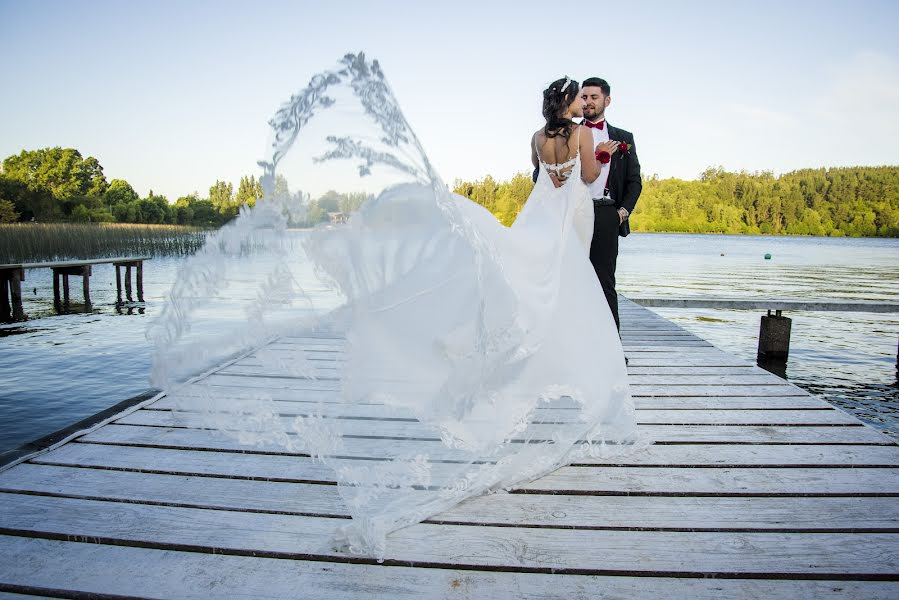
<point>555,101</point>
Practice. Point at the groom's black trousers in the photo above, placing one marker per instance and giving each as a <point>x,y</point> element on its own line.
<point>604,252</point>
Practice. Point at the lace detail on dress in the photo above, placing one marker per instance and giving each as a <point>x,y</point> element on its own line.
<point>562,171</point>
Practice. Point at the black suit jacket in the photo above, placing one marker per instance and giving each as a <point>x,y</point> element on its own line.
<point>624,181</point>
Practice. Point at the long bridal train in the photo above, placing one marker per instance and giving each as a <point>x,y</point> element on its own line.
<point>483,356</point>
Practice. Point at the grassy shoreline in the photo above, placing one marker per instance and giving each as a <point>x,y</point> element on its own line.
<point>34,242</point>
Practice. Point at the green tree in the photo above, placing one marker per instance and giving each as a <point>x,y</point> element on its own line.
<point>63,173</point>
<point>221,194</point>
<point>119,191</point>
<point>8,212</point>
<point>248,191</point>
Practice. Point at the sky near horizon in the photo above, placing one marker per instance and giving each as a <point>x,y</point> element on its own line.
<point>175,95</point>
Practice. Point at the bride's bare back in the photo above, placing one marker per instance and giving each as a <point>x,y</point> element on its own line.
<point>558,155</point>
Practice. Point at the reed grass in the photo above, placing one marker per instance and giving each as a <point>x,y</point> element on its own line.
<point>34,242</point>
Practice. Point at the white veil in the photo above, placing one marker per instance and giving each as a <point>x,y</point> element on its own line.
<point>434,369</point>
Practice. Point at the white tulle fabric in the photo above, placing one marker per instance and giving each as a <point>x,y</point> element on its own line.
<point>465,357</point>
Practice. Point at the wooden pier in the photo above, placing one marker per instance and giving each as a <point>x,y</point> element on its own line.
<point>752,489</point>
<point>12,276</point>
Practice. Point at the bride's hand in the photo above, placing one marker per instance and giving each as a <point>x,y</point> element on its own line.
<point>556,181</point>
<point>609,146</point>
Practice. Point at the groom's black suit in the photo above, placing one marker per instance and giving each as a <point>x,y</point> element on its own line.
<point>624,185</point>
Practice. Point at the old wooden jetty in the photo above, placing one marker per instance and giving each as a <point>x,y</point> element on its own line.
<point>752,489</point>
<point>12,276</point>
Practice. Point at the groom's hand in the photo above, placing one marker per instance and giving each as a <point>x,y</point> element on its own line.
<point>609,146</point>
<point>622,215</point>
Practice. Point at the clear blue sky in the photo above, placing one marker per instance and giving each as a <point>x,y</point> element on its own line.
<point>174,95</point>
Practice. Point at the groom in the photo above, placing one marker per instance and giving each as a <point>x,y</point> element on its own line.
<point>613,202</point>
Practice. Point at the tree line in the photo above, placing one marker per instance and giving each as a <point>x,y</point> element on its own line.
<point>60,185</point>
<point>845,201</point>
<point>53,185</point>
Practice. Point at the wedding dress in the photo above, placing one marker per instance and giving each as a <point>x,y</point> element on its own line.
<point>467,357</point>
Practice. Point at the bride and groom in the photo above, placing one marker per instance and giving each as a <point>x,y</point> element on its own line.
<point>611,177</point>
<point>478,356</point>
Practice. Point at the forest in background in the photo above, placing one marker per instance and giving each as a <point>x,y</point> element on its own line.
<point>59,185</point>
<point>844,201</point>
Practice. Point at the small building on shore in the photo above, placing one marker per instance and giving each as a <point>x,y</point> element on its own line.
<point>337,218</point>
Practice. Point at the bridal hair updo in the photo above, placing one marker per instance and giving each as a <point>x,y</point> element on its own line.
<point>555,101</point>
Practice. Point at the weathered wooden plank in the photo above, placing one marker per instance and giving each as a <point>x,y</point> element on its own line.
<point>670,513</point>
<point>91,568</point>
<point>759,377</point>
<point>637,388</point>
<point>766,554</point>
<point>332,406</point>
<point>730,403</point>
<point>744,417</point>
<point>641,402</point>
<point>655,390</point>
<point>660,434</point>
<point>596,480</point>
<point>825,416</point>
<point>770,304</point>
<point>274,466</point>
<point>73,263</point>
<point>536,430</point>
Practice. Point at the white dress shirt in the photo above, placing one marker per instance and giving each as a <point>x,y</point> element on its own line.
<point>597,188</point>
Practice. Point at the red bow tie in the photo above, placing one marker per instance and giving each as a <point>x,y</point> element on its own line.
<point>599,125</point>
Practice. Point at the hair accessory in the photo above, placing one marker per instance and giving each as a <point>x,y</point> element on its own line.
<point>567,83</point>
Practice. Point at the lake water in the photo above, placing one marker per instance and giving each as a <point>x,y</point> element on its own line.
<point>58,369</point>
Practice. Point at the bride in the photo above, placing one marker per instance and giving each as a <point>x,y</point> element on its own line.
<point>465,357</point>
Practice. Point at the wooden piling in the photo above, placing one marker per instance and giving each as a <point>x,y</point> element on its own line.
<point>774,337</point>
<point>140,282</point>
<point>118,283</point>
<point>5,308</point>
<point>65,289</point>
<point>15,292</point>
<point>57,302</point>
<point>128,282</point>
<point>85,285</point>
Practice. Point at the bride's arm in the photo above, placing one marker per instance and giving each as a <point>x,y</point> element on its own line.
<point>590,169</point>
<point>534,150</point>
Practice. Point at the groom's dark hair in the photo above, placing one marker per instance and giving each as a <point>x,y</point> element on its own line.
<point>600,83</point>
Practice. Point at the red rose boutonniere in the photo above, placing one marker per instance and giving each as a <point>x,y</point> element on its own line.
<point>603,157</point>
<point>623,148</point>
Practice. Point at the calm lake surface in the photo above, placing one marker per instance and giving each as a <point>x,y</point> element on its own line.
<point>58,369</point>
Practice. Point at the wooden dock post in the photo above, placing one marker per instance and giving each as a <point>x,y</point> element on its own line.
<point>128,282</point>
<point>118,283</point>
<point>140,281</point>
<point>5,309</point>
<point>57,304</point>
<point>11,294</point>
<point>15,292</point>
<point>85,286</point>
<point>64,271</point>
<point>65,288</point>
<point>774,337</point>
